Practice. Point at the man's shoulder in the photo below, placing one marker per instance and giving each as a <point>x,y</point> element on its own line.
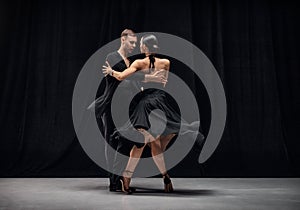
<point>114,54</point>
<point>114,58</point>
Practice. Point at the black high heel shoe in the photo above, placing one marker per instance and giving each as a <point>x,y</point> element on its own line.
<point>168,183</point>
<point>125,189</point>
<point>125,181</point>
<point>121,186</point>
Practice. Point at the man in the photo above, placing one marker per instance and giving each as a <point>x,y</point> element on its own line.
<point>120,61</point>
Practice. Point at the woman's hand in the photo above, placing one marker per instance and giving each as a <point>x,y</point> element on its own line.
<point>107,69</point>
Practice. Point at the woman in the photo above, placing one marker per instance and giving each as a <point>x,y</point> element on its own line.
<point>144,103</point>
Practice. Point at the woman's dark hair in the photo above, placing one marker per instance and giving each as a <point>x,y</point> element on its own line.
<point>152,44</point>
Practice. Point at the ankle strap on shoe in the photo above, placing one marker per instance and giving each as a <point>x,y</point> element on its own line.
<point>166,179</point>
<point>127,173</point>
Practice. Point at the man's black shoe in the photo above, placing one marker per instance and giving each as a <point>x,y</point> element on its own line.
<point>112,188</point>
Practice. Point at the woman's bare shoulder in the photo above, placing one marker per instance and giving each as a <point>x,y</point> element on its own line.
<point>140,62</point>
<point>164,61</point>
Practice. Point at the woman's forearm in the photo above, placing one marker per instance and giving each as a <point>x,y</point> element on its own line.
<point>117,75</point>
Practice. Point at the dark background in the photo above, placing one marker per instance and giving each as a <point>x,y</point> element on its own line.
<point>254,45</point>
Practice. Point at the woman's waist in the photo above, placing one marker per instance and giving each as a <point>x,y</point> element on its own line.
<point>152,85</point>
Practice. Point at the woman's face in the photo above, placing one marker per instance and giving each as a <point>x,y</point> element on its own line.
<point>142,46</point>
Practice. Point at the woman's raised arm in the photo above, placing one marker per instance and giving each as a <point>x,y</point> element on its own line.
<point>135,66</point>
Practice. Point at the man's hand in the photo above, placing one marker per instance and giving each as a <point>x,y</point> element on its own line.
<point>107,69</point>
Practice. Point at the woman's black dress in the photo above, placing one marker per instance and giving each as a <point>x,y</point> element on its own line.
<point>156,111</point>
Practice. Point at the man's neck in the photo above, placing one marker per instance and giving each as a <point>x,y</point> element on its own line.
<point>122,52</point>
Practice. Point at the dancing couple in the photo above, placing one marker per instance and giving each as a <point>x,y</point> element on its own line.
<point>155,74</point>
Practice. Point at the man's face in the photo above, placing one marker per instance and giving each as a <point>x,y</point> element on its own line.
<point>130,43</point>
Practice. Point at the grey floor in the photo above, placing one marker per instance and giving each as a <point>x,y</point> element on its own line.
<point>190,193</point>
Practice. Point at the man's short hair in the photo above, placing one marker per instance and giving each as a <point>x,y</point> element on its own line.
<point>128,32</point>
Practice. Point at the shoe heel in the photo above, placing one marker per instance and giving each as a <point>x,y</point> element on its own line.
<point>168,184</point>
<point>124,190</point>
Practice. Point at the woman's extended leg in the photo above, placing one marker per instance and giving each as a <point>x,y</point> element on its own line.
<point>158,157</point>
<point>165,140</point>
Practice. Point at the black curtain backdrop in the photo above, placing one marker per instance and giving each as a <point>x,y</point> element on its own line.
<point>254,45</point>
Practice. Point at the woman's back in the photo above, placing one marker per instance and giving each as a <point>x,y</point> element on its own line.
<point>159,64</point>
